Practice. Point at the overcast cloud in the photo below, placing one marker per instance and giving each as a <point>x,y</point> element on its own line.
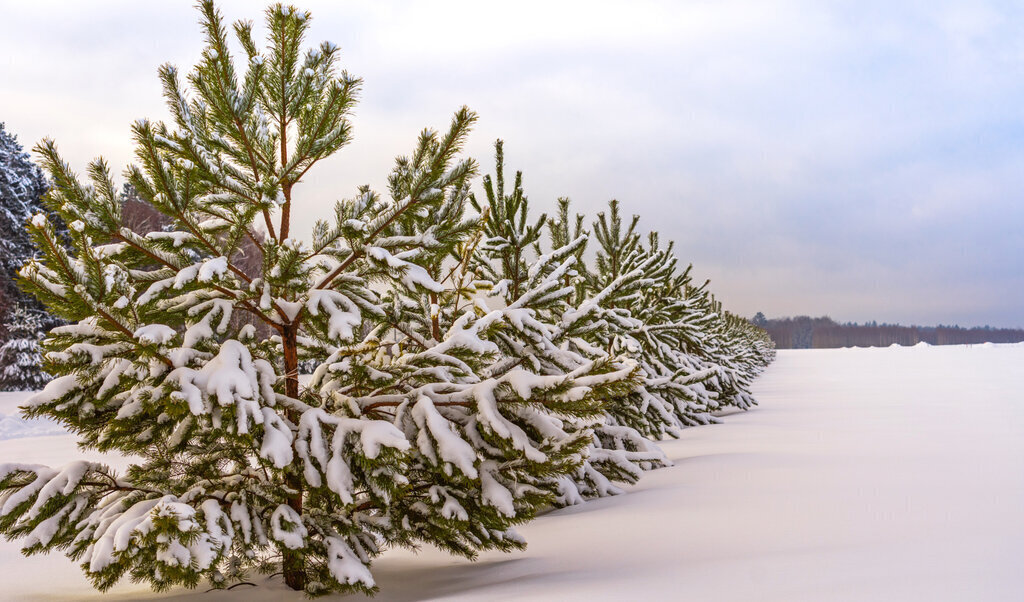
<point>856,159</point>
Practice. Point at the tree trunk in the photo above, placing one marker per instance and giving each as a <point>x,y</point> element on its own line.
<point>435,324</point>
<point>293,563</point>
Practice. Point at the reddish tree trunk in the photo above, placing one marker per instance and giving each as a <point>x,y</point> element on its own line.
<point>293,563</point>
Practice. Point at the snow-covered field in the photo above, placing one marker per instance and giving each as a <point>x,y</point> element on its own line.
<point>865,474</point>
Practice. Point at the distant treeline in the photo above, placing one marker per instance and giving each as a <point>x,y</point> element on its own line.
<point>804,332</point>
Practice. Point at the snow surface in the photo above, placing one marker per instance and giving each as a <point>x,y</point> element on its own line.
<point>14,426</point>
<point>865,474</point>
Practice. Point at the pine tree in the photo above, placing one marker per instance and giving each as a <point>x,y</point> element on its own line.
<point>739,349</point>
<point>20,354</point>
<point>675,376</point>
<point>239,467</point>
<point>549,285</point>
<point>509,237</point>
<point>22,184</point>
<point>497,414</point>
<point>643,310</point>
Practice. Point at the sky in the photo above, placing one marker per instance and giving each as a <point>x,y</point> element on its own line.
<point>858,159</point>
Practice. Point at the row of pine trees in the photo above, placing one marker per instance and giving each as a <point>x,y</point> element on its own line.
<point>428,366</point>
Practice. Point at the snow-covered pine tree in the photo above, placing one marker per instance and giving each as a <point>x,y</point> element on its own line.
<point>22,184</point>
<point>511,240</point>
<point>239,466</point>
<point>675,378</point>
<point>688,347</point>
<point>750,346</point>
<point>734,346</point>
<point>759,350</point>
<point>644,313</point>
<point>564,229</point>
<point>549,286</point>
<point>20,355</point>
<point>493,431</point>
<point>621,254</point>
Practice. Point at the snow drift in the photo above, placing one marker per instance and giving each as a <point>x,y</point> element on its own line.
<point>865,474</point>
